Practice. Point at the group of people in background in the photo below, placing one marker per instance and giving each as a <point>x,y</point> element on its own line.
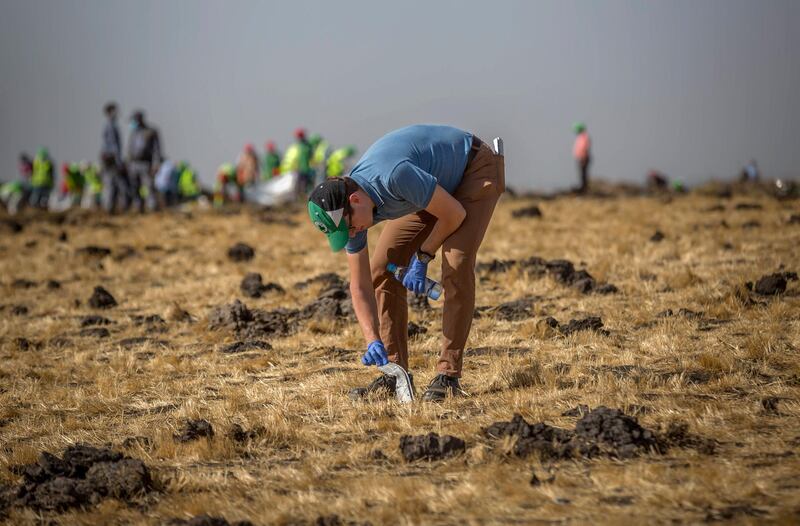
<point>142,178</point>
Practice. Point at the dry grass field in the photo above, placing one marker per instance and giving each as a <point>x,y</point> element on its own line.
<point>290,447</point>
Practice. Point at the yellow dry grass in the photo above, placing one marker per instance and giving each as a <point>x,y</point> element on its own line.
<point>313,456</point>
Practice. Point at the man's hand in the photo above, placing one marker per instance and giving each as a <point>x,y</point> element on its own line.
<point>414,280</point>
<point>375,355</point>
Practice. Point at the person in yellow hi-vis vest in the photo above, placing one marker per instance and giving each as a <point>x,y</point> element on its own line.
<point>41,179</point>
<point>337,160</point>
<point>319,153</point>
<point>297,158</point>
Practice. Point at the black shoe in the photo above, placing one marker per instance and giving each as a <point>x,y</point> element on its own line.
<point>383,386</point>
<point>440,387</point>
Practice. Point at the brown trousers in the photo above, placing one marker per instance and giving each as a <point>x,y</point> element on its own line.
<point>480,188</point>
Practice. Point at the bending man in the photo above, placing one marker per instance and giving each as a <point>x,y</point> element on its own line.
<point>437,186</point>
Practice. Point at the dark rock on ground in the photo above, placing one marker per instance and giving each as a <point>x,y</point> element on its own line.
<point>678,435</point>
<point>657,237</point>
<point>530,211</point>
<point>207,520</point>
<point>253,287</point>
<point>62,236</point>
<point>241,252</point>
<point>561,270</point>
<point>83,476</point>
<point>794,219</point>
<point>430,447</point>
<point>95,332</point>
<point>94,319</point>
<point>195,429</point>
<point>415,330</point>
<point>22,283</point>
<point>53,284</point>
<point>772,284</point>
<point>251,345</point>
<point>101,299</point>
<point>94,251</point>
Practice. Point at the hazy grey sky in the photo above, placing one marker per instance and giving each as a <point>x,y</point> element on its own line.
<point>692,87</point>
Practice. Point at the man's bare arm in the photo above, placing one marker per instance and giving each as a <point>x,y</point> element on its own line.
<point>363,294</point>
<point>449,213</point>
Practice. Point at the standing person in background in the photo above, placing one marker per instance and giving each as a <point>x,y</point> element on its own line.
<point>336,164</point>
<point>297,159</point>
<point>115,182</point>
<point>144,158</point>
<point>41,179</point>
<point>92,185</point>
<point>582,151</point>
<point>247,166</point>
<point>25,167</point>
<point>272,162</point>
<point>319,152</point>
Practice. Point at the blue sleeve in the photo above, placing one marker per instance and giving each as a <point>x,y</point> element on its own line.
<point>413,184</point>
<point>357,243</point>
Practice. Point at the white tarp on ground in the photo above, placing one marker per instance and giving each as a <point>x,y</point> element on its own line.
<point>277,191</point>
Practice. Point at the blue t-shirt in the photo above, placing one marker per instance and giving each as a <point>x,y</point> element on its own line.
<point>401,170</point>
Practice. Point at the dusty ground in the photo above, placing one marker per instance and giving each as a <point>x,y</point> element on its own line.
<point>727,367</point>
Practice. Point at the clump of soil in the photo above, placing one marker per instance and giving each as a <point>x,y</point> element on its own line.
<point>84,475</point>
<point>95,332</point>
<point>772,284</point>
<point>253,287</point>
<point>19,310</point>
<point>530,211</point>
<point>94,251</point>
<point>748,206</point>
<point>590,323</point>
<point>327,279</point>
<point>419,302</point>
<point>657,237</point>
<point>238,434</point>
<point>251,345</point>
<point>207,520</point>
<point>177,313</point>
<point>195,429</point>
<point>94,319</point>
<point>794,219</point>
<point>101,299</point>
<point>24,344</point>
<point>53,284</point>
<point>561,270</point>
<point>514,310</point>
<point>241,252</point>
<point>251,324</point>
<point>415,330</point>
<point>600,432</point>
<point>22,283</point>
<point>430,447</point>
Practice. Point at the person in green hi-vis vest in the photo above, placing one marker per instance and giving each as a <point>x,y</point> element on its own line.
<point>41,178</point>
<point>272,162</point>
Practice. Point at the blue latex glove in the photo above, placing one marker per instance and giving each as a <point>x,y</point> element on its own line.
<point>375,355</point>
<point>414,280</point>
